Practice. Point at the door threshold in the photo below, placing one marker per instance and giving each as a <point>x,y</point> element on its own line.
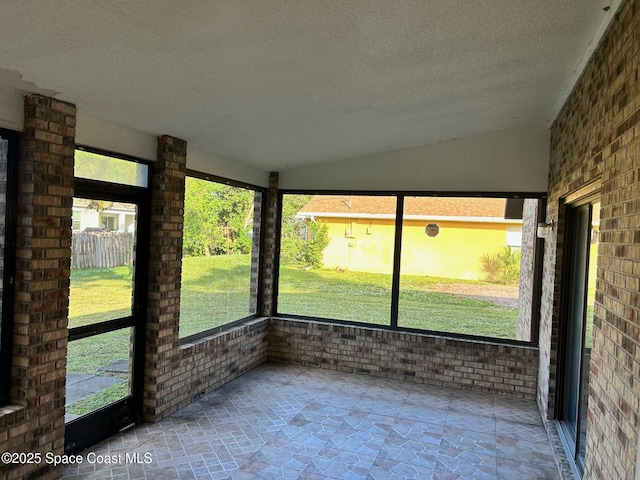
<point>567,450</point>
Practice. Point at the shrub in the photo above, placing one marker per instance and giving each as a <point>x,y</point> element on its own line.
<point>302,240</point>
<point>502,266</point>
<point>313,248</point>
<point>490,266</point>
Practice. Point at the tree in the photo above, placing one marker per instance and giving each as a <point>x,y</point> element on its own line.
<point>292,232</point>
<point>302,241</point>
<point>109,169</point>
<point>218,218</point>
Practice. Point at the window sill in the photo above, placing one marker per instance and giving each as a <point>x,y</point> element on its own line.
<point>11,415</point>
<point>211,336</point>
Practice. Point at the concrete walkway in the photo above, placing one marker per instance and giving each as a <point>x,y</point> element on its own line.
<point>81,386</point>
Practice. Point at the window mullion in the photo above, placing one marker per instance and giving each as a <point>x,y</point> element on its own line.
<point>397,250</point>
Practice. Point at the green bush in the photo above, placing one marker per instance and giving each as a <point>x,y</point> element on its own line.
<point>502,266</point>
<point>302,241</point>
<point>313,248</point>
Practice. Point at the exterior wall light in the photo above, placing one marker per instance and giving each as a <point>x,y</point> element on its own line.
<point>544,229</point>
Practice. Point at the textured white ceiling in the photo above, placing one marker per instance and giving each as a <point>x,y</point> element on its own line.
<point>282,83</point>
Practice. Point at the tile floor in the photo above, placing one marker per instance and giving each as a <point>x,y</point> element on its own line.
<point>307,423</point>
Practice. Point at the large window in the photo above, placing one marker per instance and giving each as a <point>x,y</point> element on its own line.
<point>447,264</point>
<point>458,273</point>
<point>220,254</point>
<point>336,256</point>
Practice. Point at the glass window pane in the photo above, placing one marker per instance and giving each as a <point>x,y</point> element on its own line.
<point>98,371</point>
<point>101,261</point>
<point>588,333</point>
<point>220,255</point>
<point>458,272</point>
<point>336,257</point>
<point>109,169</point>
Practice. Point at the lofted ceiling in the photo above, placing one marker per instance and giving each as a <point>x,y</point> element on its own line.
<point>279,84</point>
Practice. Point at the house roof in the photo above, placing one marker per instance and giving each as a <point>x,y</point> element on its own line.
<point>423,207</point>
<point>121,206</point>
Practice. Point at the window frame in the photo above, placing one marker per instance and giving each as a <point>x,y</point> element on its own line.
<point>396,275</point>
<point>8,278</point>
<point>261,241</point>
<point>130,407</point>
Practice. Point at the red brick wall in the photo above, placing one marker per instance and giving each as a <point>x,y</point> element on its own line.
<point>597,137</point>
<point>35,422</point>
<point>213,361</point>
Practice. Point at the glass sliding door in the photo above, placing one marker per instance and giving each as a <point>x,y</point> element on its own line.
<point>577,317</point>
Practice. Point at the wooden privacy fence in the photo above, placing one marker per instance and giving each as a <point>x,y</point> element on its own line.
<point>101,249</point>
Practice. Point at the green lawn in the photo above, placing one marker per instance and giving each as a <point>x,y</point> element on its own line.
<point>99,294</point>
<point>366,297</point>
<point>98,400</point>
<point>215,290</point>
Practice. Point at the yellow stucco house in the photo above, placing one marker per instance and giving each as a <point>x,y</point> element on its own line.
<point>442,236</point>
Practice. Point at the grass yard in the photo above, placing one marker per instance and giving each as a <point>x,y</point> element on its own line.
<point>366,297</point>
<point>215,291</point>
<point>361,297</point>
<point>446,312</point>
<point>98,400</point>
<point>99,294</point>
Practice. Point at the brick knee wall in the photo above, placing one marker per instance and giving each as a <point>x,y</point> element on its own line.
<point>477,365</point>
<point>213,361</point>
<point>35,421</point>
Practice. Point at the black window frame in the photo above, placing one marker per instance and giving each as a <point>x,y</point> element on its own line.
<point>111,417</point>
<point>8,278</point>
<point>189,339</point>
<point>395,287</point>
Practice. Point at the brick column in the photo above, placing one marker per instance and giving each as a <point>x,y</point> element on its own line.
<point>165,269</point>
<point>269,258</point>
<point>43,268</point>
<point>254,301</point>
<point>526,302</point>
